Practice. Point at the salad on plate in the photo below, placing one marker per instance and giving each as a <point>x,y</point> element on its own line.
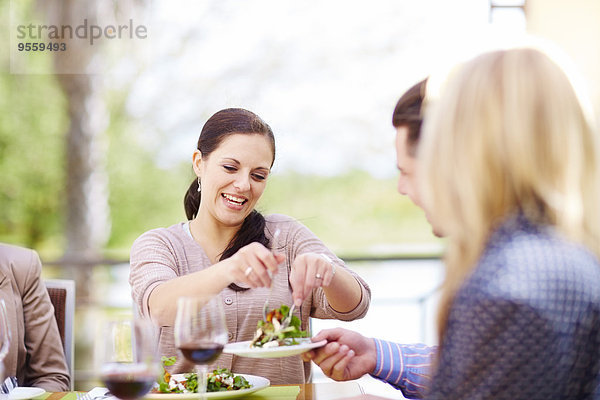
<point>272,333</point>
<point>218,380</point>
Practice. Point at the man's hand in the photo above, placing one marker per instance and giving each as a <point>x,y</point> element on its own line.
<point>347,355</point>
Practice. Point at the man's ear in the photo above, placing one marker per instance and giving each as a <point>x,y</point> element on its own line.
<point>196,162</point>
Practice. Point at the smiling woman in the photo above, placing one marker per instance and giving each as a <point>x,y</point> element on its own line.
<point>228,249</point>
<point>217,163</point>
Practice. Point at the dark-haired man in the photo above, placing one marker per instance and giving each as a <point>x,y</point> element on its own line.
<point>349,355</point>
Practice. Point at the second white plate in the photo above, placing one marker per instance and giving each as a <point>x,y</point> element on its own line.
<point>22,393</point>
<point>243,349</point>
<point>257,382</point>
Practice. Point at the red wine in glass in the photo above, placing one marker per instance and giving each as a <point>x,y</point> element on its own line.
<point>129,363</point>
<point>201,352</point>
<point>200,332</point>
<point>128,386</point>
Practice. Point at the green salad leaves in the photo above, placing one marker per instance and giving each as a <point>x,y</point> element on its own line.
<point>219,380</point>
<point>222,379</point>
<point>165,377</point>
<point>272,333</point>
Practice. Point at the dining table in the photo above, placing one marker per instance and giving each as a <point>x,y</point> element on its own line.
<point>306,391</point>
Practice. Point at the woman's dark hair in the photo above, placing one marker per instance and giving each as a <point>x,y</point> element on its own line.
<point>218,127</point>
<point>408,112</point>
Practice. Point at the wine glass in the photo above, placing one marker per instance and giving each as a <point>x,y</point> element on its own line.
<point>4,337</point>
<point>129,357</point>
<point>200,333</point>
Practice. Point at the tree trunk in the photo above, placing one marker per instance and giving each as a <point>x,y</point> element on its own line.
<point>87,224</point>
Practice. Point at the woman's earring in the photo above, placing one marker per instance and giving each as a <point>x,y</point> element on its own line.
<point>199,185</point>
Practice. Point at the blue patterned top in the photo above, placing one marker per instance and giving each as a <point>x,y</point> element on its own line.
<point>524,325</point>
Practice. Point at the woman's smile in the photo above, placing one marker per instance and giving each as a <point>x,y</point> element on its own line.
<point>234,202</point>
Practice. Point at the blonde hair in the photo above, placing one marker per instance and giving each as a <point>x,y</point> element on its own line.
<point>508,134</point>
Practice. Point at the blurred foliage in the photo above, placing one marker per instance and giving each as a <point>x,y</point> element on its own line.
<point>31,158</point>
<point>353,214</point>
<point>142,195</point>
<point>32,127</point>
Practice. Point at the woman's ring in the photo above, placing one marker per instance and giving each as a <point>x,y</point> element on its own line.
<point>248,271</point>
<point>318,276</point>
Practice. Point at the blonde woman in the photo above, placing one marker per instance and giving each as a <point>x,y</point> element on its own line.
<point>509,169</point>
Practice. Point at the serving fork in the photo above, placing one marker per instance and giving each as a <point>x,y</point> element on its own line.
<point>266,305</point>
<point>286,321</point>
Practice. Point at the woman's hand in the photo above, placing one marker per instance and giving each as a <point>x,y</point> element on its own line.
<point>310,271</point>
<point>254,265</point>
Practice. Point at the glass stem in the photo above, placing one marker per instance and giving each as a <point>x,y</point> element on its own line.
<point>201,371</point>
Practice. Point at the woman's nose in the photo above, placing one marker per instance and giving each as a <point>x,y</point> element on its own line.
<point>242,183</point>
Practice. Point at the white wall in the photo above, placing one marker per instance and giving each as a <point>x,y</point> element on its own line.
<point>575,26</point>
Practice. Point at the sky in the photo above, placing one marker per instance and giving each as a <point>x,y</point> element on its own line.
<point>325,75</point>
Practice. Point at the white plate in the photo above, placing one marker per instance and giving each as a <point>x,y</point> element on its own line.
<point>243,349</point>
<point>22,393</point>
<point>257,382</point>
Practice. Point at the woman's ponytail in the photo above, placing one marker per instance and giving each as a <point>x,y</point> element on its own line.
<point>191,201</point>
